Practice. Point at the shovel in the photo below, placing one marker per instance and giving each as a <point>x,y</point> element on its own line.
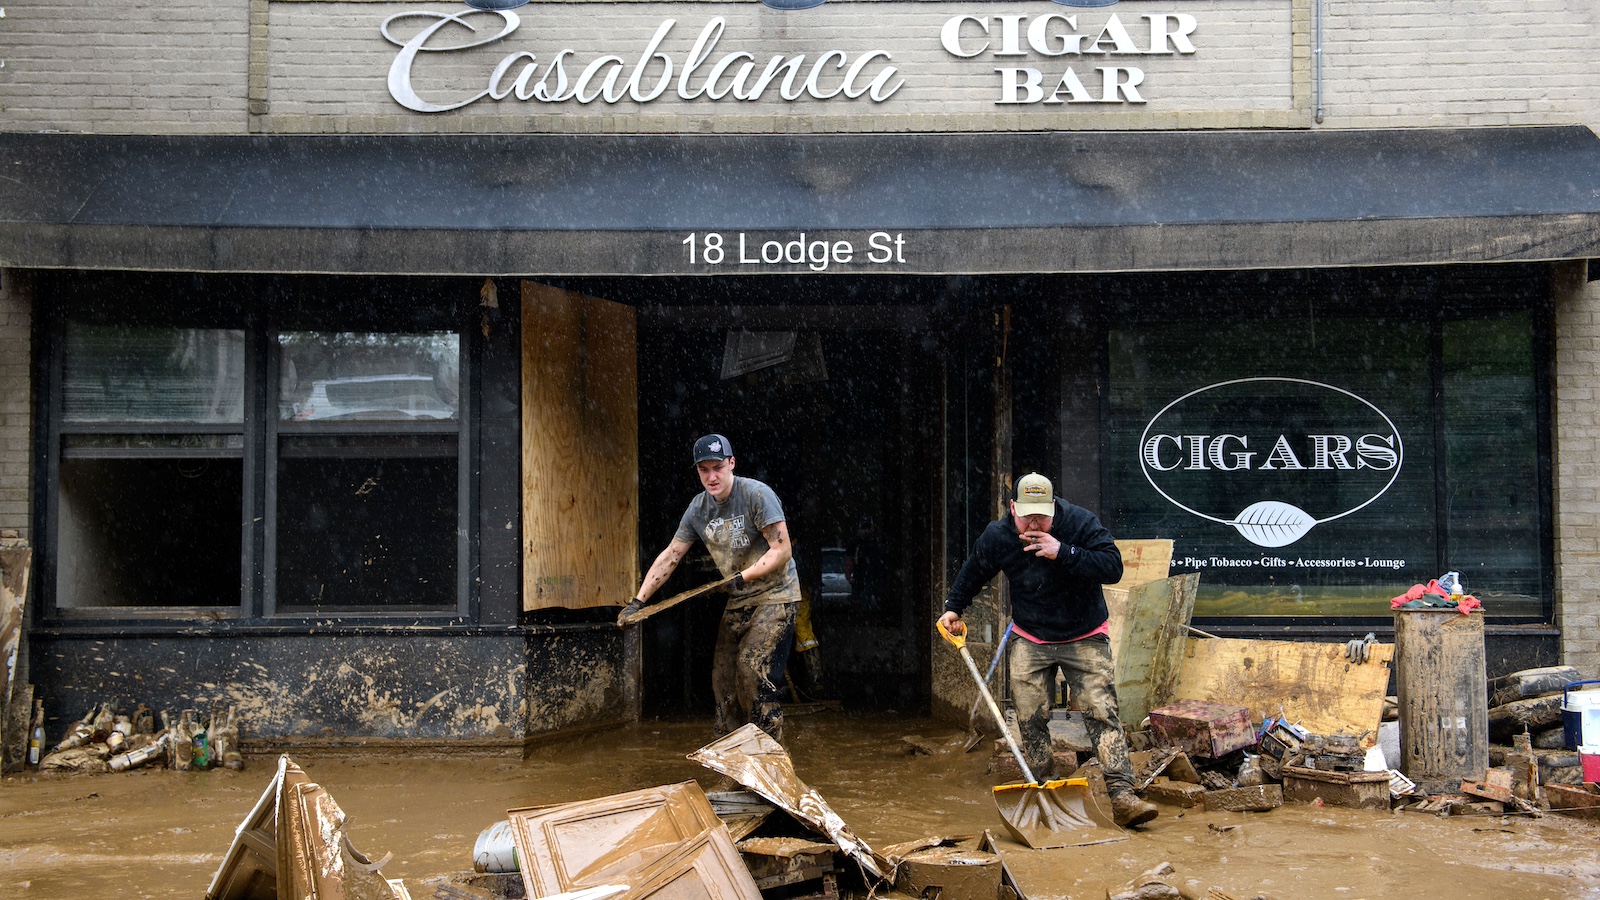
<point>635,615</point>
<point>1058,813</point>
<point>974,736</point>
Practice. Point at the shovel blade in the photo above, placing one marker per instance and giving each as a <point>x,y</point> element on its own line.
<point>1055,814</point>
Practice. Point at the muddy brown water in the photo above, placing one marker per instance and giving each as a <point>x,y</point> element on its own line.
<point>161,834</point>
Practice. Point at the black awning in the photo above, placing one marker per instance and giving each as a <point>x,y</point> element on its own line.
<point>943,203</point>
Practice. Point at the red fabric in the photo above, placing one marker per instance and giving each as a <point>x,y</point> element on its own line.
<point>1464,606</point>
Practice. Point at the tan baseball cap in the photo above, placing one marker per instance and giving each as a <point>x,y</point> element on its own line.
<point>1035,496</point>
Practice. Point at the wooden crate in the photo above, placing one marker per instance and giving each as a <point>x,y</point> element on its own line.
<point>1356,790</point>
<point>1203,729</point>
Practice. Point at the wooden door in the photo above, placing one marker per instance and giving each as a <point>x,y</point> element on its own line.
<point>580,450</point>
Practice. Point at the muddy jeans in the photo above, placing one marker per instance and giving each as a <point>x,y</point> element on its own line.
<point>747,671</point>
<point>1086,666</point>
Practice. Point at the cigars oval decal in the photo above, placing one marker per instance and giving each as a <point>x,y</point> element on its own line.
<point>1272,458</point>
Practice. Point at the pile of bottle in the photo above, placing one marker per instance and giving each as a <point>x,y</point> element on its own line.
<point>129,741</point>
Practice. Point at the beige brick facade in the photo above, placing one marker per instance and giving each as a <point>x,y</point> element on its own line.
<point>237,66</point>
<point>16,401</point>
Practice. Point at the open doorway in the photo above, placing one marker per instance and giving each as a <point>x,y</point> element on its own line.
<point>837,410</point>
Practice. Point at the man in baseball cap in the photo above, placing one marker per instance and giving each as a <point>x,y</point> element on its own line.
<point>742,525</point>
<point>1055,556</point>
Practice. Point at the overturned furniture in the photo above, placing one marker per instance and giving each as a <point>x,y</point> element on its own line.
<point>293,846</point>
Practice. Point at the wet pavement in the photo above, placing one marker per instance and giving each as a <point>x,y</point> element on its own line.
<point>161,834</point>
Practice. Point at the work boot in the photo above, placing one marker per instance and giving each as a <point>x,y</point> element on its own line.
<point>1129,810</point>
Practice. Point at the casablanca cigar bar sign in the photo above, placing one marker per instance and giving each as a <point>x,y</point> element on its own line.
<point>1049,56</point>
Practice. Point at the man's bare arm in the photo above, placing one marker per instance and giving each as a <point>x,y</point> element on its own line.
<point>660,570</point>
<point>779,552</point>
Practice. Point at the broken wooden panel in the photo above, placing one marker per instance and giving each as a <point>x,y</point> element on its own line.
<point>742,811</point>
<point>580,439</point>
<point>315,858</point>
<point>704,867</point>
<point>249,869</point>
<point>1149,652</point>
<point>567,846</point>
<point>1579,801</point>
<point>1313,685</point>
<point>751,757</point>
<point>16,561</point>
<point>1010,888</point>
<point>1142,561</point>
<point>293,846</point>
<point>778,861</point>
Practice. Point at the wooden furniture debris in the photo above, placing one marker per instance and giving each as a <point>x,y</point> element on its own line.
<point>751,757</point>
<point>1169,761</point>
<point>1203,729</point>
<point>781,861</point>
<point>1354,790</point>
<point>16,563</point>
<point>293,845</point>
<point>706,866</point>
<point>742,811</point>
<point>1313,685</point>
<point>1579,802</point>
<point>567,846</point>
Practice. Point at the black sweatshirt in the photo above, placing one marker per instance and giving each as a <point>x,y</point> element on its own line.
<point>1052,599</point>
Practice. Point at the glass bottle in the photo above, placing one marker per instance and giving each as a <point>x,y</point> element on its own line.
<point>79,733</point>
<point>183,742</point>
<point>36,734</point>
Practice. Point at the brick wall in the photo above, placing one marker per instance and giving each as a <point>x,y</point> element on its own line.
<point>1438,63</point>
<point>1577,467</point>
<point>16,317</point>
<point>132,67</point>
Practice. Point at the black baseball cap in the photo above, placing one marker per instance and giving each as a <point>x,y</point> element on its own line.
<point>712,446</point>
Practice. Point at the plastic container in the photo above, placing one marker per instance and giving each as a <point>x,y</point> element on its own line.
<point>1580,715</point>
<point>1590,755</point>
<point>496,849</point>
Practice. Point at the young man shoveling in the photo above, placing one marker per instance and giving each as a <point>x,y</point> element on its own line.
<point>1055,556</point>
<point>742,524</point>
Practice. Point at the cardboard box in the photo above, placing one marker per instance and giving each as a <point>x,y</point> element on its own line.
<point>1202,729</point>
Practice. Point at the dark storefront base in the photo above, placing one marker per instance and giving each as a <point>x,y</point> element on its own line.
<point>482,691</point>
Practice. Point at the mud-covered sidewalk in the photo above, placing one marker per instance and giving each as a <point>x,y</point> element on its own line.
<point>162,834</point>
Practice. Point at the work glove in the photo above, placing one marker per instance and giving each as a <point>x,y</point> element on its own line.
<point>633,605</point>
<point>738,582</point>
<point>1360,651</point>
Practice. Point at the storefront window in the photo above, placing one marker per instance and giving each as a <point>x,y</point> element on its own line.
<point>264,471</point>
<point>366,474</point>
<point>151,477</point>
<point>1302,477</point>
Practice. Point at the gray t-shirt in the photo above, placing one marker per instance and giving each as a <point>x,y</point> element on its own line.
<point>732,533</point>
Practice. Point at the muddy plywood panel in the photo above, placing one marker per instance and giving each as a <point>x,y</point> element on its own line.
<point>704,867</point>
<point>1315,685</point>
<point>1142,561</point>
<point>580,465</point>
<point>587,843</point>
<point>1149,651</point>
<point>15,564</point>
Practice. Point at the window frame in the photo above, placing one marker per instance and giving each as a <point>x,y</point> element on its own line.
<point>254,304</point>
